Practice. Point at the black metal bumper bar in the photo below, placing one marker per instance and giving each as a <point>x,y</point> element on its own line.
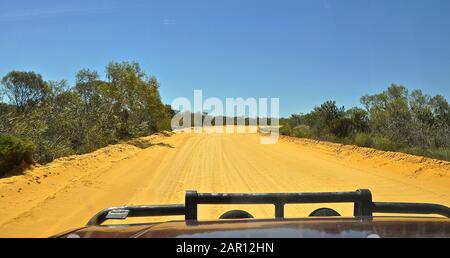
<point>362,200</point>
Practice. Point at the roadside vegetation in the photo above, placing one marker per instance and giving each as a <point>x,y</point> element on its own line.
<point>394,120</point>
<point>43,120</point>
<point>15,153</point>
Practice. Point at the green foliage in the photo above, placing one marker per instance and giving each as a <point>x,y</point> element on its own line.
<point>285,129</point>
<point>24,89</point>
<point>393,120</point>
<point>341,127</point>
<point>364,140</point>
<point>359,119</point>
<point>14,151</point>
<point>302,131</point>
<point>437,153</point>
<point>62,120</point>
<point>383,143</point>
<point>389,112</point>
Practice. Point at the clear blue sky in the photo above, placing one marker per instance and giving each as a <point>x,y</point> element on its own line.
<point>302,51</point>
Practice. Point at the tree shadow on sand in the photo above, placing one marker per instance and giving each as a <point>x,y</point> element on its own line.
<point>142,144</point>
<point>17,170</point>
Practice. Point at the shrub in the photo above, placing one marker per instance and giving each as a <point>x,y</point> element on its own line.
<point>438,153</point>
<point>14,151</point>
<point>382,143</point>
<point>435,153</point>
<point>302,131</point>
<point>329,137</point>
<point>285,130</point>
<point>363,140</point>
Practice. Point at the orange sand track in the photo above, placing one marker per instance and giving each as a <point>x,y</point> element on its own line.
<point>66,193</point>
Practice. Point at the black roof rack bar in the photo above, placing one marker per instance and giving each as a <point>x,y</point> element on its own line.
<point>272,198</point>
<point>136,211</point>
<point>411,208</point>
<point>362,200</point>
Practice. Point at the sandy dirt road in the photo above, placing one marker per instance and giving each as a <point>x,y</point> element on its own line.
<point>66,193</point>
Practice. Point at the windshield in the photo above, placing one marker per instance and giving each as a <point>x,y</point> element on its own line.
<point>119,103</point>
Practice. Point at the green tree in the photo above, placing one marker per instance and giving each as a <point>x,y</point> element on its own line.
<point>389,113</point>
<point>359,120</point>
<point>24,89</point>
